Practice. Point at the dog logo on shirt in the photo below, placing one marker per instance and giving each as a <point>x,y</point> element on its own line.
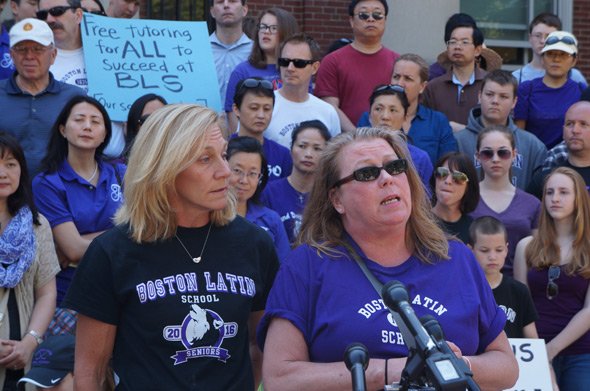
<point>201,333</point>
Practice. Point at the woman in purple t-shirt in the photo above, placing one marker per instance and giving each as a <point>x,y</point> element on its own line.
<point>499,198</point>
<point>555,263</point>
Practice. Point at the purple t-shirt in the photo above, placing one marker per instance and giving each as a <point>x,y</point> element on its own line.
<point>520,218</point>
<point>543,108</point>
<point>281,197</point>
<point>332,302</point>
<point>278,159</point>
<point>555,314</point>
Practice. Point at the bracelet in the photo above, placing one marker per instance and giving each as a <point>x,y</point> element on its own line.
<point>37,336</point>
<point>467,361</point>
<point>386,382</point>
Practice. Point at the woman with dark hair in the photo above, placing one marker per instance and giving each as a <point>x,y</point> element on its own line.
<point>248,179</point>
<point>28,265</point>
<point>77,191</point>
<point>287,196</point>
<point>138,113</point>
<point>274,25</point>
<point>455,193</point>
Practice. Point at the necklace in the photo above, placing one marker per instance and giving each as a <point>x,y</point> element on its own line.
<point>93,173</point>
<point>197,259</point>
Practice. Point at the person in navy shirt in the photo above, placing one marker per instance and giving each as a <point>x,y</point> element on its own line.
<point>368,201</point>
<point>77,191</point>
<point>248,179</point>
<point>253,104</point>
<point>288,196</point>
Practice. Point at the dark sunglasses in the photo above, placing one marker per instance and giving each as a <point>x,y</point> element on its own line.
<point>567,40</point>
<point>254,83</point>
<point>457,176</point>
<point>390,87</point>
<point>487,154</point>
<point>297,62</point>
<point>366,15</point>
<point>553,274</point>
<point>95,12</point>
<point>54,11</point>
<point>371,173</point>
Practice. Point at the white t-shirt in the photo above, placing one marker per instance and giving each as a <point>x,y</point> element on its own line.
<point>286,115</point>
<point>69,67</point>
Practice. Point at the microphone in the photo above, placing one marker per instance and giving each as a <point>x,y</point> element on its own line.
<point>356,358</point>
<point>395,296</point>
<point>435,330</point>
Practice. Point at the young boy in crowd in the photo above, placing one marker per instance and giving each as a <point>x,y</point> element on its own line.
<point>488,240</point>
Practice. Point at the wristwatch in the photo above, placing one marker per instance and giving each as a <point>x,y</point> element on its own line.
<point>37,336</point>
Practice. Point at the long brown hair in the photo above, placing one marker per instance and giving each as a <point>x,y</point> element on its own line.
<point>322,226</point>
<point>543,250</point>
<point>287,27</point>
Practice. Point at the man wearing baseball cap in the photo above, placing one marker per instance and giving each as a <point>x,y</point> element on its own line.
<point>543,102</point>
<point>31,95</point>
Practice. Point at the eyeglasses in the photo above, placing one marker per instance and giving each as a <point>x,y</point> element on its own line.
<point>252,175</point>
<point>297,62</point>
<point>271,28</point>
<point>553,274</point>
<point>95,12</point>
<point>487,154</point>
<point>371,173</point>
<point>23,50</point>
<point>463,43</point>
<point>54,11</point>
<point>457,176</point>
<point>540,36</point>
<point>254,83</point>
<point>554,39</point>
<point>366,15</point>
<point>390,87</point>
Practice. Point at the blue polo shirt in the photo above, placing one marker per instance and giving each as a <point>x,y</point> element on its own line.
<point>6,64</point>
<point>30,118</point>
<point>64,196</point>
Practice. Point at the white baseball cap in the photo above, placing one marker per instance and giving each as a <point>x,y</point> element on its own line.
<point>562,41</point>
<point>31,29</point>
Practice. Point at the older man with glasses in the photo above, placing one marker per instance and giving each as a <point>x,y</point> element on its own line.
<point>31,99</point>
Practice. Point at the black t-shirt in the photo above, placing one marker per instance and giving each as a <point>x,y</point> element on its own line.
<point>459,228</point>
<point>180,325</point>
<point>515,300</point>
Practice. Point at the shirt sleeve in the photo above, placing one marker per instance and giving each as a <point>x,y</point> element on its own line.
<point>51,201</point>
<point>234,79</point>
<point>327,79</point>
<point>48,263</point>
<point>521,111</point>
<point>447,142</point>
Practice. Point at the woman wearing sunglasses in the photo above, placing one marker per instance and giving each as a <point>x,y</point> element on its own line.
<point>455,190</point>
<point>555,264</point>
<point>138,113</point>
<point>288,196</point>
<point>274,25</point>
<point>542,102</point>
<point>499,198</point>
<point>368,207</point>
<point>248,179</point>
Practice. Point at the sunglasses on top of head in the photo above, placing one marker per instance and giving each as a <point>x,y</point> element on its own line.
<point>297,62</point>
<point>54,11</point>
<point>457,176</point>
<point>553,274</point>
<point>390,87</point>
<point>487,154</point>
<point>254,83</point>
<point>554,39</point>
<point>371,173</point>
<point>366,15</point>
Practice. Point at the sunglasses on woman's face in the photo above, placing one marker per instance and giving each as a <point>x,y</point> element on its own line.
<point>487,154</point>
<point>553,274</point>
<point>371,173</point>
<point>457,176</point>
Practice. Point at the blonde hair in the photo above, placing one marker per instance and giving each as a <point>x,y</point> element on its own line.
<point>170,140</point>
<point>543,250</point>
<point>322,226</point>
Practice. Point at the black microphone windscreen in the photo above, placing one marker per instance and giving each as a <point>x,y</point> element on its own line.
<point>356,353</point>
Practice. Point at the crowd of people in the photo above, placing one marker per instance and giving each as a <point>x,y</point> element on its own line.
<point>189,249</point>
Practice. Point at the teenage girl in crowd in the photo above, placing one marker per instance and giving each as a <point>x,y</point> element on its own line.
<point>274,25</point>
<point>77,191</point>
<point>455,193</point>
<point>288,196</point>
<point>248,178</point>
<point>555,263</point>
<point>138,113</point>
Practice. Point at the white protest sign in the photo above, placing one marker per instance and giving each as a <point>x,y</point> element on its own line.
<point>533,364</point>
